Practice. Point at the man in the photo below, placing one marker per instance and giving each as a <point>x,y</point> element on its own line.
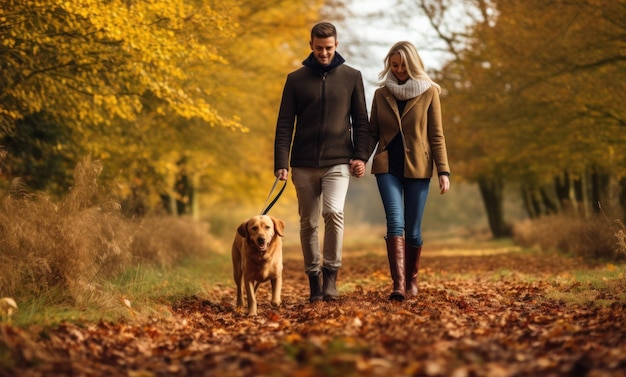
<point>324,100</point>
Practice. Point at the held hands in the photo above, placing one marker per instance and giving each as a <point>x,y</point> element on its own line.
<point>444,183</point>
<point>357,168</point>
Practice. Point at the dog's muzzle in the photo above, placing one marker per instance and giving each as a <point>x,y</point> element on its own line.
<point>262,244</point>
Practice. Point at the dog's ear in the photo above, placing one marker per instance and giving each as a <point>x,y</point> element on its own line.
<point>279,225</point>
<point>243,229</point>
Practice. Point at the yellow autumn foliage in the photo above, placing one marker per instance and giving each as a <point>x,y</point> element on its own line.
<point>143,85</point>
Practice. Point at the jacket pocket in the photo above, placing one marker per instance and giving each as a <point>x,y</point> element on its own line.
<point>380,162</point>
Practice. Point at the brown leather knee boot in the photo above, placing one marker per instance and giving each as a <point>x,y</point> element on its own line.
<point>395,253</point>
<point>412,263</point>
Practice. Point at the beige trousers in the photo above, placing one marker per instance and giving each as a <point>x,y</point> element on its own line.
<point>321,191</point>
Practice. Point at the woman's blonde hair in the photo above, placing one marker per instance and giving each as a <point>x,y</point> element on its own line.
<point>415,66</point>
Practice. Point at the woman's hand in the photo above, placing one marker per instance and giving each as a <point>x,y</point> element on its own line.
<point>444,183</point>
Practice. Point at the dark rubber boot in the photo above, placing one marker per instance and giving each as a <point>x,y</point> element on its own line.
<point>315,284</point>
<point>330,284</point>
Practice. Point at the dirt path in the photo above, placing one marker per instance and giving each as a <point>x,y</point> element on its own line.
<point>475,316</point>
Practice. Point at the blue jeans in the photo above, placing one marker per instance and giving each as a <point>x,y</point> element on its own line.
<point>404,200</point>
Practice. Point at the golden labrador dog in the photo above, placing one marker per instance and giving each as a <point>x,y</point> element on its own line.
<point>257,257</point>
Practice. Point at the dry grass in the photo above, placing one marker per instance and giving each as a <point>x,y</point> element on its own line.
<point>621,238</point>
<point>592,238</point>
<point>73,245</point>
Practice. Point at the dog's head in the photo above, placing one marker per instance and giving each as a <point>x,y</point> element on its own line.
<point>259,231</point>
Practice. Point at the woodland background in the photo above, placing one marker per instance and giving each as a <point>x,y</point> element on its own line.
<point>178,100</point>
<point>154,108</point>
<point>135,135</point>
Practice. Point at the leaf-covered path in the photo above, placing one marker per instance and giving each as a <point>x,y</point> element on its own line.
<point>476,315</point>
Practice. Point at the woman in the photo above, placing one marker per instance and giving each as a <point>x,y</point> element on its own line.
<point>406,124</point>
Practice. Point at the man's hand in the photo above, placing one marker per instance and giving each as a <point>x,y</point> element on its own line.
<point>281,174</point>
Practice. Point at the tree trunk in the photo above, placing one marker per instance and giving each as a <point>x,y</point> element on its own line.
<point>599,190</point>
<point>622,198</point>
<point>562,186</point>
<point>551,202</point>
<point>573,194</point>
<point>530,204</point>
<point>568,191</point>
<point>492,192</point>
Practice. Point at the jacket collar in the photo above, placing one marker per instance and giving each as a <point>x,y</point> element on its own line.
<point>312,63</point>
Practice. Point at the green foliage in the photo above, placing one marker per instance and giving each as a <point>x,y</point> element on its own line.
<point>42,153</point>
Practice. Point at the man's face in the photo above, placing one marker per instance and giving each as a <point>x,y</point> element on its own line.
<point>324,49</point>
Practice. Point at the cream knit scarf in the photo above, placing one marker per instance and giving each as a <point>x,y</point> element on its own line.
<point>410,89</point>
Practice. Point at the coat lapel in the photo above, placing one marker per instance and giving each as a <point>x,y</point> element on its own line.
<point>410,103</point>
<point>391,100</point>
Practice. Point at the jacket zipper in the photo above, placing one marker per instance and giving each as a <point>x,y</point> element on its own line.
<point>323,111</point>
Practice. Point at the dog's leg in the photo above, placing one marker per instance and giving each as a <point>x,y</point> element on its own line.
<point>238,275</point>
<point>240,289</point>
<point>250,291</point>
<point>277,286</point>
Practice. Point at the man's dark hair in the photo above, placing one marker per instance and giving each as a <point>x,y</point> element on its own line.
<point>323,30</point>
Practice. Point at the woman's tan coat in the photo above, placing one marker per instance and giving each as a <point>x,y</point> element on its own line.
<point>424,142</point>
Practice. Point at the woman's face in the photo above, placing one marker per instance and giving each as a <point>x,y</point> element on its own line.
<point>398,68</point>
